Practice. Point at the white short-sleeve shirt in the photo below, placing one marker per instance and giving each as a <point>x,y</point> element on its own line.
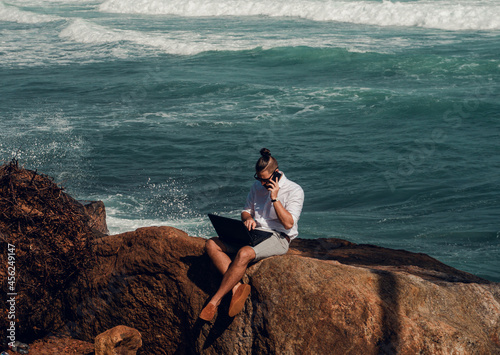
<point>261,208</point>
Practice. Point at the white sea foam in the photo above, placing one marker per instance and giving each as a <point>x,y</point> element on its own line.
<point>55,2</point>
<point>117,222</point>
<point>190,43</point>
<point>447,15</point>
<point>181,42</point>
<point>9,13</point>
<point>193,226</point>
<point>177,42</point>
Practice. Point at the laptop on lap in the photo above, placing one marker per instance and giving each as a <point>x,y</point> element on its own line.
<point>234,231</point>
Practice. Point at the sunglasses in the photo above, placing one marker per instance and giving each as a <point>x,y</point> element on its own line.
<point>256,177</point>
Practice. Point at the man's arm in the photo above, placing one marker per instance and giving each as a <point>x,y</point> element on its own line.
<point>284,216</point>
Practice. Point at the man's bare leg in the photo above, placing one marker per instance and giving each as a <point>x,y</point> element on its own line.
<point>233,271</point>
<point>216,250</point>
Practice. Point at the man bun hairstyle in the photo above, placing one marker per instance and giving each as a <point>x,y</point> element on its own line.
<point>265,152</point>
<point>266,161</point>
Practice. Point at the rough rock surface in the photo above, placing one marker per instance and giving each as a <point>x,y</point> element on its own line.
<point>97,215</point>
<point>120,340</point>
<point>59,345</point>
<point>46,242</point>
<point>324,296</point>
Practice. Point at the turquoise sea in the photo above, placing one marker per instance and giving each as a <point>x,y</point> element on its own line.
<point>387,113</point>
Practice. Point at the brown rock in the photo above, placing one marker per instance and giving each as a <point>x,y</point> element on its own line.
<point>120,340</point>
<point>141,279</point>
<point>48,238</point>
<point>157,280</point>
<point>325,296</point>
<point>97,214</point>
<point>52,345</point>
<point>379,258</point>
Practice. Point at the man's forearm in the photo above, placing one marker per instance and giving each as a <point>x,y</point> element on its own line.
<point>284,216</point>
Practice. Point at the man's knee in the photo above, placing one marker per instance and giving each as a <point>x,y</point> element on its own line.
<point>213,245</point>
<point>245,254</point>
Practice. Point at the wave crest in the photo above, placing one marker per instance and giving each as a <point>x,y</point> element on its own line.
<point>13,14</point>
<point>181,42</point>
<point>445,15</point>
<point>176,42</point>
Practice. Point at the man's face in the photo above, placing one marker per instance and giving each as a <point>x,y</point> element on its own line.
<point>264,176</point>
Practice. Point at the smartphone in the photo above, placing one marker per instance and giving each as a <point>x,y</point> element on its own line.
<point>275,177</point>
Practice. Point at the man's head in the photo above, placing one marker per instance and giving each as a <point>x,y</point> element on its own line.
<point>265,166</point>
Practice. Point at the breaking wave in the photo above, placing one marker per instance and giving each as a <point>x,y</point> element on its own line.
<point>446,15</point>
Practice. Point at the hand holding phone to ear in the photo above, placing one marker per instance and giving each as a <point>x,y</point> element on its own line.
<point>273,185</point>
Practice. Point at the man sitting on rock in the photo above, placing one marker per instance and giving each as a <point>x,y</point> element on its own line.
<point>274,204</point>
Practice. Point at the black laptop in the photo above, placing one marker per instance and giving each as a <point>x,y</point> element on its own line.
<point>234,231</point>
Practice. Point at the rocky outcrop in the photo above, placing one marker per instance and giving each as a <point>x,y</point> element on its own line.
<point>324,296</point>
<point>96,212</point>
<point>52,345</point>
<point>46,240</point>
<point>120,340</point>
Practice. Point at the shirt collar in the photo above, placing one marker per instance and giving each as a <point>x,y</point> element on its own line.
<point>282,180</point>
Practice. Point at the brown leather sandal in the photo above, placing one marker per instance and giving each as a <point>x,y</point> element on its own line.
<point>238,299</point>
<point>208,312</point>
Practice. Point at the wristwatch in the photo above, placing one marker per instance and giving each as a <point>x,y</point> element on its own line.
<point>273,201</point>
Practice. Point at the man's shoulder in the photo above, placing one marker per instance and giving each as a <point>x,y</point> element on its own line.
<point>291,185</point>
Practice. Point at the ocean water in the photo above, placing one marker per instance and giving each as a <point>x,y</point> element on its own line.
<point>386,112</point>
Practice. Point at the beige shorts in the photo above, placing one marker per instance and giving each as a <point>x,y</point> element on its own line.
<point>274,245</point>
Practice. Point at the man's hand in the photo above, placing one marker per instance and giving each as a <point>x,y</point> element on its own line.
<point>273,188</point>
<point>248,221</point>
<point>250,224</point>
